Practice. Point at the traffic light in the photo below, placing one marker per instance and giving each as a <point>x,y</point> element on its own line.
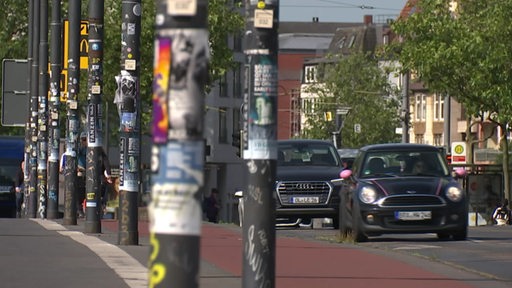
<point>236,142</point>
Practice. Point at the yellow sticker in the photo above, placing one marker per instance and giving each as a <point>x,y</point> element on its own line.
<point>459,149</point>
<point>261,4</point>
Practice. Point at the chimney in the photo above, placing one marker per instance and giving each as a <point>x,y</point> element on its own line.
<point>368,20</point>
<point>315,19</point>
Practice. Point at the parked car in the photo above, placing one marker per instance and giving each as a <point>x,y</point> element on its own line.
<point>11,155</point>
<point>307,180</point>
<point>402,188</point>
<point>348,155</point>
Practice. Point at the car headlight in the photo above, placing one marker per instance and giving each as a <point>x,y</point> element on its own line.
<point>368,195</point>
<point>454,193</point>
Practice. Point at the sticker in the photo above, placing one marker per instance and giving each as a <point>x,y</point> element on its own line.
<point>177,179</point>
<point>182,7</point>
<point>263,18</point>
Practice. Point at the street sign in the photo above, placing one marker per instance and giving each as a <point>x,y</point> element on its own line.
<point>15,92</point>
<point>458,152</point>
<point>84,44</point>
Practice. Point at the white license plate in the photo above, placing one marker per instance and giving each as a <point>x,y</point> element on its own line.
<point>305,200</point>
<point>413,215</point>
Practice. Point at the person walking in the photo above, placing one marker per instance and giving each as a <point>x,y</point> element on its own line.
<point>212,206</point>
<point>19,185</point>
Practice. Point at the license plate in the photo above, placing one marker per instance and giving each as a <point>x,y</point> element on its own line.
<point>305,200</point>
<point>413,215</point>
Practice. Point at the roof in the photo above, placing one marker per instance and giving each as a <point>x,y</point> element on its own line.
<point>304,141</point>
<point>312,27</point>
<point>304,41</point>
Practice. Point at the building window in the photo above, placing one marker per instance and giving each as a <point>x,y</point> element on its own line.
<point>223,123</point>
<point>236,120</point>
<point>310,74</point>
<point>421,107</point>
<point>237,82</point>
<point>419,139</point>
<point>308,105</point>
<point>223,86</point>
<point>438,139</point>
<point>438,107</point>
<point>237,43</point>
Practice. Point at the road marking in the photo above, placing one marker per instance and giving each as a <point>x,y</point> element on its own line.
<point>130,270</point>
<point>417,247</point>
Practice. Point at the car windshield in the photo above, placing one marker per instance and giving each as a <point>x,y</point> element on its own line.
<point>403,163</point>
<point>306,154</point>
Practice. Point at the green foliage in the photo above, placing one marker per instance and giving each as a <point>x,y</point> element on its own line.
<point>464,53</point>
<point>223,20</point>
<point>355,81</point>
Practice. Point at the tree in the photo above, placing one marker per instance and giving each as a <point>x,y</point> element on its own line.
<point>355,81</point>
<point>224,20</point>
<point>463,50</point>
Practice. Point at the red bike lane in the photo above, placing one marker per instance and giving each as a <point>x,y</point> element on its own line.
<point>306,264</point>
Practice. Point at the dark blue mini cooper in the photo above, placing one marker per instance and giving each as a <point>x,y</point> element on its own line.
<point>402,188</point>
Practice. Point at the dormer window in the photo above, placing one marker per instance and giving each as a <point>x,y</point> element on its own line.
<point>341,42</point>
<point>310,74</point>
<point>352,40</point>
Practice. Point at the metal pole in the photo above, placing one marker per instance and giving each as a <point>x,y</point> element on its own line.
<point>28,129</point>
<point>128,104</point>
<point>32,201</point>
<point>405,108</point>
<point>94,171</point>
<point>54,133</point>
<point>73,123</point>
<point>42,159</point>
<point>260,151</point>
<point>447,122</point>
<point>178,143</point>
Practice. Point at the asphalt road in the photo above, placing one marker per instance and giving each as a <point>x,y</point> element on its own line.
<point>486,253</point>
<point>43,253</point>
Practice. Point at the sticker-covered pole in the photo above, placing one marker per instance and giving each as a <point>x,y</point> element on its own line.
<point>260,144</point>
<point>128,105</point>
<point>95,157</point>
<point>42,136</point>
<point>54,112</point>
<point>73,122</point>
<point>180,74</point>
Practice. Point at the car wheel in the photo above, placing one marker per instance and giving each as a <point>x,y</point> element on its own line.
<point>443,236</point>
<point>357,232</point>
<point>460,235</point>
<point>336,222</point>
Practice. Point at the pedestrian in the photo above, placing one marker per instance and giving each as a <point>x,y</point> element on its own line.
<point>501,215</point>
<point>19,185</point>
<point>211,206</point>
<point>81,159</point>
<point>106,177</point>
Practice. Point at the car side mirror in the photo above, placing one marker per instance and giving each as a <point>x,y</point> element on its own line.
<point>460,172</point>
<point>345,174</point>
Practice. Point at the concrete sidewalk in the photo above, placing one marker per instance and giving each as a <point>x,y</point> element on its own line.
<point>299,263</point>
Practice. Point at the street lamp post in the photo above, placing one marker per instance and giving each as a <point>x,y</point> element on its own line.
<point>341,112</point>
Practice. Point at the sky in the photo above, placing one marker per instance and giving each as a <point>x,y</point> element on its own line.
<point>337,10</point>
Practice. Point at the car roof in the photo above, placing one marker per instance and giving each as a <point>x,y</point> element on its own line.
<point>399,147</point>
<point>305,141</point>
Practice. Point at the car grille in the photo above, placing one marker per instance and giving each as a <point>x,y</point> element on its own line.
<point>411,200</point>
<point>287,190</point>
